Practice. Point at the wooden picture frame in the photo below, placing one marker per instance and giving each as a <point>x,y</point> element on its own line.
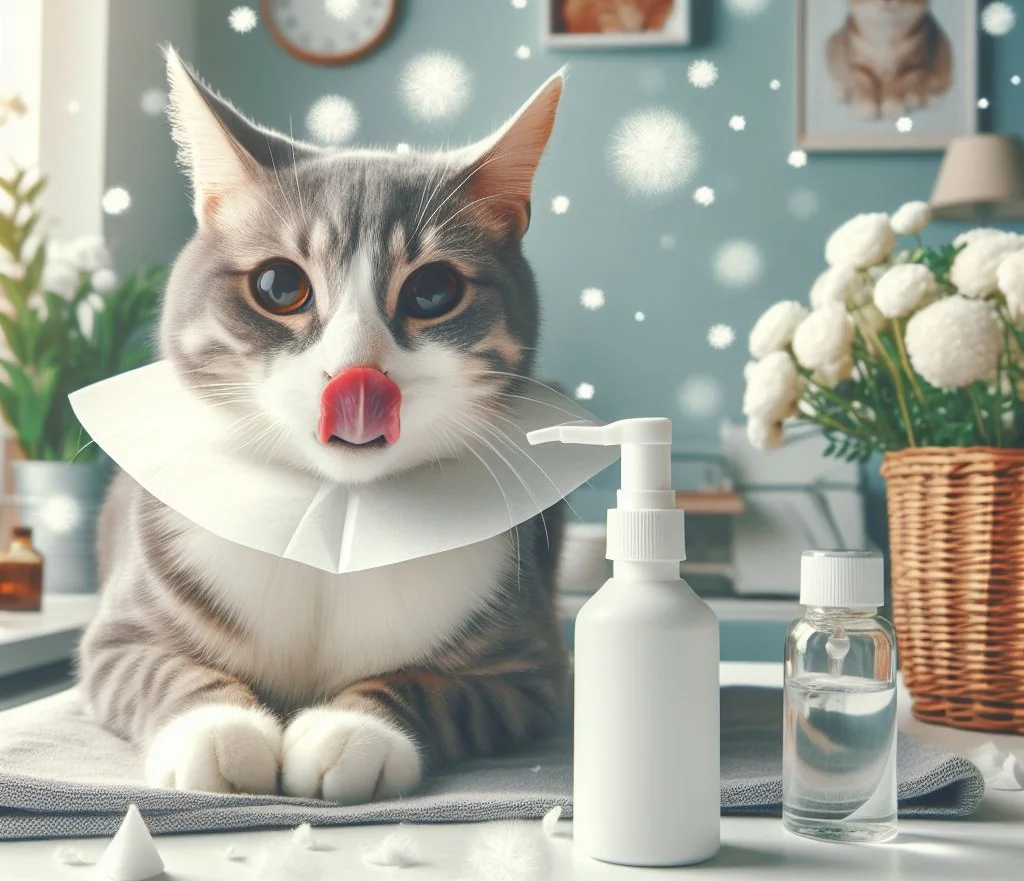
<point>675,30</point>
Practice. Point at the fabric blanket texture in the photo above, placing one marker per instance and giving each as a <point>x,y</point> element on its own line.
<point>62,775</point>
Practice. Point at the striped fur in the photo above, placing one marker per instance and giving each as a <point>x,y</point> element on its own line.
<point>238,671</point>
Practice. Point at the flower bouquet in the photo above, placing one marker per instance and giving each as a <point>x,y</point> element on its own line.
<point>917,352</point>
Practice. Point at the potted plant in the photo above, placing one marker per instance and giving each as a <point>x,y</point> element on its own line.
<point>917,352</point>
<point>65,322</point>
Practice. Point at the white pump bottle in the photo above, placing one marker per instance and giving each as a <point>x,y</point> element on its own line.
<point>646,788</point>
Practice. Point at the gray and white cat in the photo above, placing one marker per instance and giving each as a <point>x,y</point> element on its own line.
<point>236,671</point>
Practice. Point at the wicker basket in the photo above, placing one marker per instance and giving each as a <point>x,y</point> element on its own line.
<point>956,535</point>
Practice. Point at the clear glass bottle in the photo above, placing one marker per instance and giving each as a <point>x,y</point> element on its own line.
<point>839,735</point>
<point>21,574</point>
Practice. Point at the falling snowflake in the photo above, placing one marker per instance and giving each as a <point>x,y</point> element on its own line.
<point>519,4</point>
<point>341,9</point>
<point>639,316</point>
<point>153,102</point>
<point>998,19</point>
<point>803,204</point>
<point>738,123</point>
<point>74,106</point>
<point>797,158</point>
<point>702,73</point>
<point>667,241</point>
<point>242,19</point>
<point>116,200</point>
<point>332,119</point>
<point>904,124</point>
<point>61,514</point>
<point>560,204</point>
<point>704,196</point>
<point>747,8</point>
<point>523,53</point>
<point>402,148</point>
<point>775,85</point>
<point>584,391</point>
<point>654,151</point>
<point>592,298</point>
<point>721,336</point>
<point>1015,79</point>
<point>700,396</point>
<point>738,264</point>
<point>983,103</point>
<point>652,80</point>
<point>435,86</point>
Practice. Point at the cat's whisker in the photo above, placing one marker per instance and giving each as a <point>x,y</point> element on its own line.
<point>440,180</point>
<point>295,168</point>
<point>466,207</point>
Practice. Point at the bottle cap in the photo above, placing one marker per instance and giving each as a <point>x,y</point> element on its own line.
<point>839,579</point>
<point>22,532</point>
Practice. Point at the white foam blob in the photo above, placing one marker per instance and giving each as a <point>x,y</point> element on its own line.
<point>797,158</point>
<point>153,102</point>
<point>560,204</point>
<point>654,151</point>
<point>584,391</point>
<point>702,73</point>
<point>523,52</point>
<point>904,124</point>
<point>704,196</point>
<point>61,513</point>
<point>116,200</point>
<point>435,85</point>
<point>998,19</point>
<point>592,298</point>
<point>721,336</point>
<point>738,263</point>
<point>738,123</point>
<point>700,396</point>
<point>667,241</point>
<point>803,204</point>
<point>332,119</point>
<point>242,19</point>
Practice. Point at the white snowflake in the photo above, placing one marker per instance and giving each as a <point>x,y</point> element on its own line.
<point>116,200</point>
<point>704,196</point>
<point>738,263</point>
<point>242,19</point>
<point>639,316</point>
<point>738,123</point>
<point>341,9</point>
<point>702,73</point>
<point>667,241</point>
<point>721,336</point>
<point>435,86</point>
<point>332,119</point>
<point>153,102</point>
<point>1015,80</point>
<point>519,4</point>
<point>654,151</point>
<point>998,19</point>
<point>74,106</point>
<point>983,103</point>
<point>775,85</point>
<point>523,52</point>
<point>700,396</point>
<point>592,298</point>
<point>904,124</point>
<point>797,158</point>
<point>747,8</point>
<point>560,204</point>
<point>803,204</point>
<point>402,147</point>
<point>584,391</point>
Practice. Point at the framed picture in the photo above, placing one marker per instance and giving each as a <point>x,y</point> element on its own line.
<point>589,24</point>
<point>898,75</point>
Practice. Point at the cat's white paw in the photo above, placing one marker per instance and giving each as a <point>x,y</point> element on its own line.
<point>217,748</point>
<point>347,757</point>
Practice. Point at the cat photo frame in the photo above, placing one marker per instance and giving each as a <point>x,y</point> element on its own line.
<point>595,24</point>
<point>896,76</point>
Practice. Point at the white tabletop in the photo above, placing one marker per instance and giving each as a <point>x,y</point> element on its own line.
<point>989,847</point>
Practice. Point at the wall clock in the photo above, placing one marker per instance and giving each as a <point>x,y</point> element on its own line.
<point>328,31</point>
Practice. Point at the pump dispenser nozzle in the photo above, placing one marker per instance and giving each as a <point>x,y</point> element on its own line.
<point>645,527</point>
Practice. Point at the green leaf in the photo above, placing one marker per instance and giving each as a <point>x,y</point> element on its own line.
<point>32,193</point>
<point>34,270</point>
<point>9,236</point>
<point>14,336</point>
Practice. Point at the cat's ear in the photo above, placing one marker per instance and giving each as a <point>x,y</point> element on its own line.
<point>501,175</point>
<point>219,148</point>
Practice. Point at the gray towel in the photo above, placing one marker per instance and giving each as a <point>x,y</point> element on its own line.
<point>62,775</point>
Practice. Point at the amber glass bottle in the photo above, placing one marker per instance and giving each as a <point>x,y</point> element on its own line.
<point>21,574</point>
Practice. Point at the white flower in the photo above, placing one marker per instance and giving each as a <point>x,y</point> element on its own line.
<point>1010,278</point>
<point>654,151</point>
<point>825,337</point>
<point>979,232</point>
<point>764,435</point>
<point>87,253</point>
<point>838,284</point>
<point>831,375</point>
<point>86,314</point>
<point>773,386</point>
<point>863,241</point>
<point>974,269</point>
<point>61,278</point>
<point>869,318</point>
<point>774,330</point>
<point>954,342</point>
<point>911,218</point>
<point>103,281</point>
<point>903,288</point>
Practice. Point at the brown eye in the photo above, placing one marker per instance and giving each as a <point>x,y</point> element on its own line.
<point>431,291</point>
<point>281,287</point>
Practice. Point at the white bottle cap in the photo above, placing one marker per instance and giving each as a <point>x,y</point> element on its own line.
<point>842,579</point>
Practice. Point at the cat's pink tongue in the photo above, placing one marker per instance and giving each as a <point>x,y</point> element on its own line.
<point>360,405</point>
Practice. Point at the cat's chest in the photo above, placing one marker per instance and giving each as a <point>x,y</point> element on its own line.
<point>311,632</point>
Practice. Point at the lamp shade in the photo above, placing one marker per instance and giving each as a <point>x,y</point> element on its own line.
<point>982,176</point>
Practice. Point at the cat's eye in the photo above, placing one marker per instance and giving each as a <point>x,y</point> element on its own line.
<point>431,291</point>
<point>281,287</point>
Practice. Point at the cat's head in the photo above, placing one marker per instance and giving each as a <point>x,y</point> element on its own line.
<point>357,312</point>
